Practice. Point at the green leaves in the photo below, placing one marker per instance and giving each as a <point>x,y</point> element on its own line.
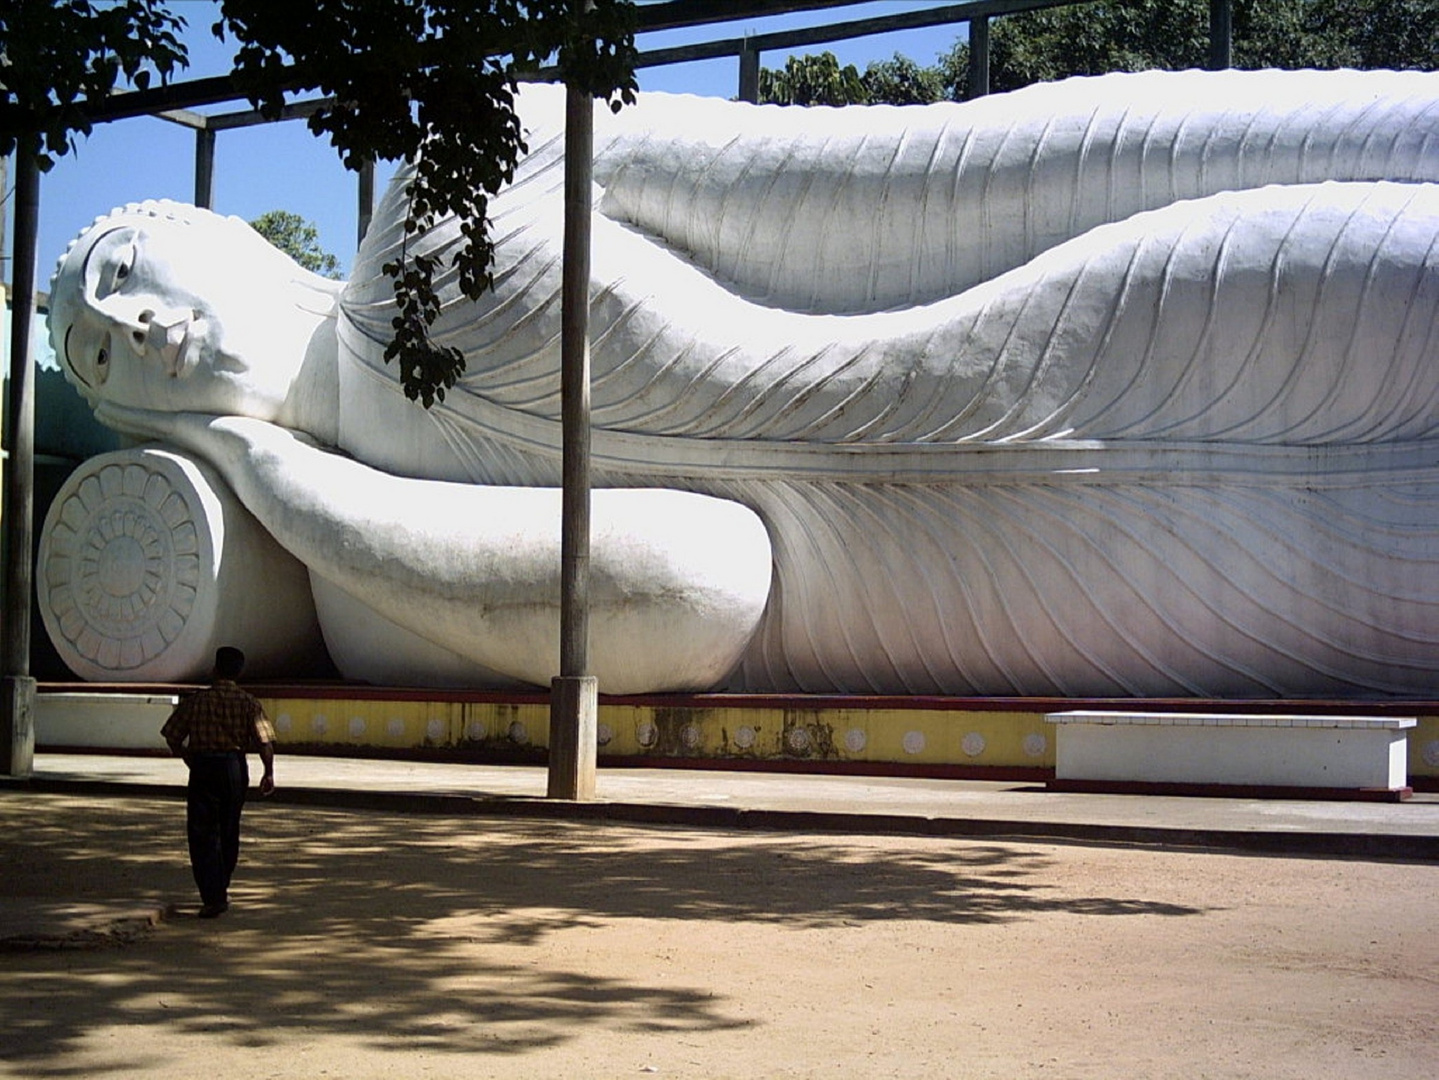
<point>818,79</point>
<point>901,81</point>
<point>57,54</point>
<point>815,79</point>
<point>1134,35</point>
<point>430,81</point>
<point>427,370</point>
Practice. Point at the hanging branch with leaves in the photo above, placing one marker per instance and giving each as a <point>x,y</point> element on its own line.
<point>433,82</point>
<point>56,57</point>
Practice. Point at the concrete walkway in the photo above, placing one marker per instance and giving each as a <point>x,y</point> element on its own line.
<point>858,804</point>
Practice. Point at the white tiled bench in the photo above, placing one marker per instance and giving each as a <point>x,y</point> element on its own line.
<point>1322,755</point>
<point>102,721</point>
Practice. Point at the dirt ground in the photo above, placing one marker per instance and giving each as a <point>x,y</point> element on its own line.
<point>374,945</point>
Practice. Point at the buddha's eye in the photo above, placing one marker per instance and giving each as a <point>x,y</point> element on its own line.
<point>102,365</point>
<point>120,265</point>
<point>125,263</point>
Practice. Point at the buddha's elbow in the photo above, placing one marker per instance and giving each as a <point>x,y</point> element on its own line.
<point>679,583</point>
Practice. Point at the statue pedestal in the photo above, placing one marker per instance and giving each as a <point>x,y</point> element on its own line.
<point>1324,756</point>
<point>124,722</point>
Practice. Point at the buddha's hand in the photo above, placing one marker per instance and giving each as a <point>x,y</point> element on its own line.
<point>139,423</point>
<point>252,455</point>
<point>214,438</point>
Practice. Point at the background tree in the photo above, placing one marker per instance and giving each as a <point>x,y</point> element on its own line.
<point>1375,33</point>
<point>298,239</point>
<point>814,79</point>
<point>818,79</point>
<point>1136,35</point>
<point>901,81</point>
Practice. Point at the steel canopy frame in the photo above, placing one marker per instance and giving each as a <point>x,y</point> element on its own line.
<point>574,778</point>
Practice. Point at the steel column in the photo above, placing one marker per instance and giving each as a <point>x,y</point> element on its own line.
<point>205,168</point>
<point>749,74</point>
<point>574,695</point>
<point>17,696</point>
<point>978,57</point>
<point>1221,34</point>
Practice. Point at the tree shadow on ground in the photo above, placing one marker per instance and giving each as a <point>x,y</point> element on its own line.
<point>426,933</point>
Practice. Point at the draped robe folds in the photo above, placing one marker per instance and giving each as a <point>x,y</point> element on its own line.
<point>1122,385</point>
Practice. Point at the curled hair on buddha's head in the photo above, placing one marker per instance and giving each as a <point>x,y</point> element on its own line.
<point>139,213</point>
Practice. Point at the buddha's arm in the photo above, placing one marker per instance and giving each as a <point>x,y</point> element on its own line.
<point>477,569</point>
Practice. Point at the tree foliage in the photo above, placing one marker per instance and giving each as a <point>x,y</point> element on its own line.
<point>55,56</point>
<point>1135,35</point>
<point>298,239</point>
<point>1129,35</point>
<point>901,81</point>
<point>406,76</point>
<point>819,79</point>
<point>1377,33</point>
<point>813,79</point>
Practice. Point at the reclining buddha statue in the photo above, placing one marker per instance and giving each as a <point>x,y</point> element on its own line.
<point>1116,386</point>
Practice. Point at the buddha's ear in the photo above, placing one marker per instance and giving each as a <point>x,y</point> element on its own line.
<point>65,286</point>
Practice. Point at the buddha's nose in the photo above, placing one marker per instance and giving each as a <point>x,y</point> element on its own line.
<point>130,320</point>
<point>166,333</point>
<point>152,328</point>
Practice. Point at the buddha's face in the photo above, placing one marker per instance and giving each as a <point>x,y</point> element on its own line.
<point>179,316</point>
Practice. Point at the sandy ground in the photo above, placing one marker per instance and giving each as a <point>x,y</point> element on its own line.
<point>366,945</point>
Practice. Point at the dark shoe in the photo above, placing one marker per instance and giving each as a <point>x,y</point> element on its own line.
<point>213,911</point>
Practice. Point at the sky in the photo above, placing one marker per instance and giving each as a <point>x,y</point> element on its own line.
<point>283,167</point>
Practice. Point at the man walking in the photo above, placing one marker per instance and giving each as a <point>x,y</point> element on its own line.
<point>213,730</point>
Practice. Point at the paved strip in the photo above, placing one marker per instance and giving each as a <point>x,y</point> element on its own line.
<point>805,802</point>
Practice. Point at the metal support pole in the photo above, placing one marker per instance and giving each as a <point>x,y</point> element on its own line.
<point>748,73</point>
<point>366,198</point>
<point>4,187</point>
<point>205,168</point>
<point>574,695</point>
<point>978,57</point>
<point>17,695</point>
<point>1221,34</point>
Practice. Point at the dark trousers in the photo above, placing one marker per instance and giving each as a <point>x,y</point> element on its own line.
<point>214,800</point>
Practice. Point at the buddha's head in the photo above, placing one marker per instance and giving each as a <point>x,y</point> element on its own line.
<point>168,307</point>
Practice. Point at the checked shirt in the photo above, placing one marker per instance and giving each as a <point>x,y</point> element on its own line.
<point>219,719</point>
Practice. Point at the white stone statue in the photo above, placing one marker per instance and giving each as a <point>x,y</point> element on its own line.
<point>1115,386</point>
